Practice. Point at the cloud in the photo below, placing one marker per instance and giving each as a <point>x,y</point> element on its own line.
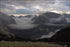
<point>50,34</point>
<point>16,4</point>
<point>23,23</point>
<point>65,2</point>
<point>68,20</point>
<point>61,5</point>
<point>47,36</point>
<point>68,12</point>
<point>23,11</point>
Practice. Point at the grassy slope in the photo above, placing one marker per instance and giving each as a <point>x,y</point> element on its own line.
<point>27,44</point>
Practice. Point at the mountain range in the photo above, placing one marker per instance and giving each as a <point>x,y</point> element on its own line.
<point>5,20</point>
<point>46,25</point>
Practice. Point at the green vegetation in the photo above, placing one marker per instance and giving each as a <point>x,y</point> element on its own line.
<point>4,35</point>
<point>26,44</point>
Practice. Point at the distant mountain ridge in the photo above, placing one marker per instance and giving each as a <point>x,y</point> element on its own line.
<point>50,17</point>
<point>48,22</point>
<point>5,20</point>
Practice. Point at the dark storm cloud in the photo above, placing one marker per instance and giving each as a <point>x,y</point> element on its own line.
<point>26,2</point>
<point>65,2</point>
<point>13,4</point>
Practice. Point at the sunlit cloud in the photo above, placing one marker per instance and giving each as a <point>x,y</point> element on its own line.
<point>56,11</point>
<point>68,12</point>
<point>15,6</point>
<point>38,7</point>
<point>7,10</point>
<point>19,14</point>
<point>19,7</point>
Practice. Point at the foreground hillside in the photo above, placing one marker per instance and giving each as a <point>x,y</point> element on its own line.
<point>27,44</point>
<point>62,36</point>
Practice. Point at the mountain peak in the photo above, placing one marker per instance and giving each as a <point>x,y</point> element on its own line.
<point>52,14</point>
<point>50,17</point>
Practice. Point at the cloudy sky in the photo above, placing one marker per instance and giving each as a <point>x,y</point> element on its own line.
<point>23,7</point>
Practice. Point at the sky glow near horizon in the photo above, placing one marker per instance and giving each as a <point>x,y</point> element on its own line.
<point>32,7</point>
